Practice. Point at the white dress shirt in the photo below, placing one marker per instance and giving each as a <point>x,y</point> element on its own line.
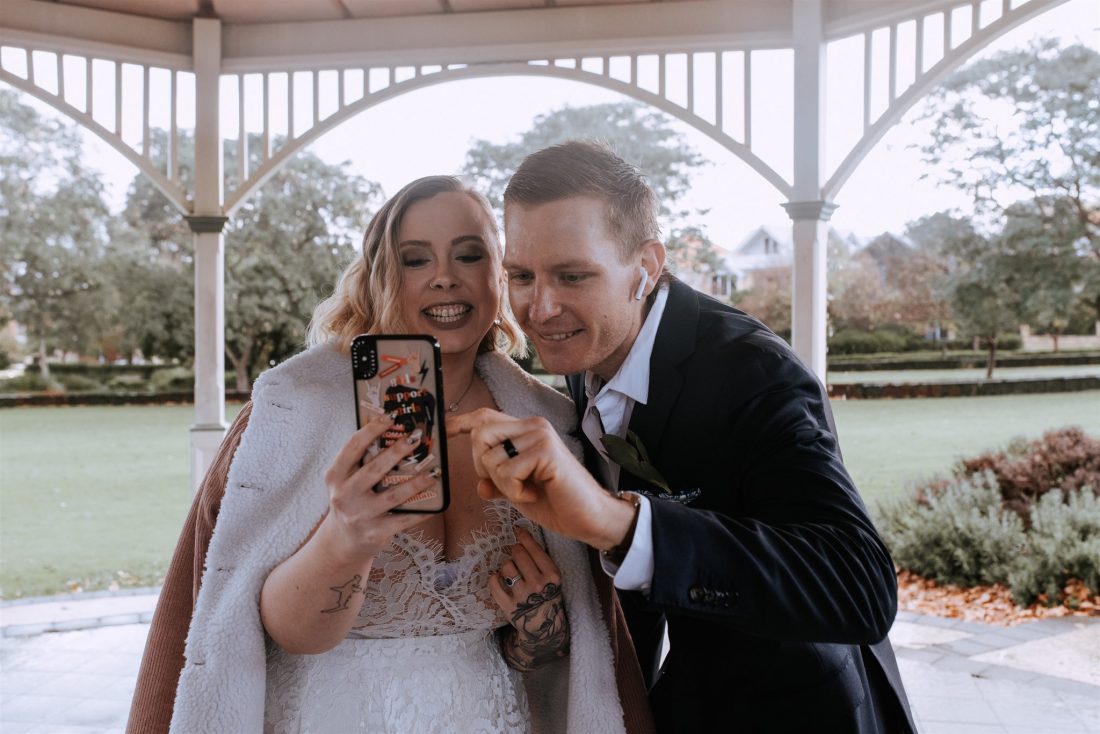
<point>612,405</point>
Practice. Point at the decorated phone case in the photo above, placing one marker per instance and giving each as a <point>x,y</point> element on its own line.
<point>401,375</point>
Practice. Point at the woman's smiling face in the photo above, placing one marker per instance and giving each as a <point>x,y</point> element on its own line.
<point>452,278</point>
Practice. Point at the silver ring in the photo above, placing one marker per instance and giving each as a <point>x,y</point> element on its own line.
<point>509,448</point>
<point>511,581</point>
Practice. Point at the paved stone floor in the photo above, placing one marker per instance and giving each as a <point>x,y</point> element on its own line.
<point>68,667</point>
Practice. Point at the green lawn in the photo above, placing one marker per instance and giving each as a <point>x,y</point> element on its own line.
<point>889,445</point>
<point>91,495</point>
<point>94,495</point>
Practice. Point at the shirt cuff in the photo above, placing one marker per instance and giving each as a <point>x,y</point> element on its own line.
<point>636,571</point>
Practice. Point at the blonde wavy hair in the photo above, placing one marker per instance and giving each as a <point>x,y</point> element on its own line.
<point>366,301</point>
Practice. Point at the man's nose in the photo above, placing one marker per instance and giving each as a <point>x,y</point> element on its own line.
<point>544,304</point>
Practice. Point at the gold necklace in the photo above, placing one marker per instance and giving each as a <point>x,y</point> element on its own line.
<point>451,408</point>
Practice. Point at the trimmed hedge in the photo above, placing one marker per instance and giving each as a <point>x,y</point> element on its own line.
<point>900,339</point>
<point>871,391</point>
<point>1027,517</point>
<point>57,399</point>
<point>106,378</point>
<point>957,360</point>
<point>101,372</point>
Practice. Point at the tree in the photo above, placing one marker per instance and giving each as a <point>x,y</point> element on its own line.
<point>285,246</point>
<point>1048,155</point>
<point>151,263</point>
<point>1053,271</point>
<point>54,231</point>
<point>284,249</point>
<point>984,287</point>
<point>637,133</point>
<point>769,299</point>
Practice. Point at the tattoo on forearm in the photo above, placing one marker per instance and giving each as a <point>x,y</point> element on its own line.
<point>344,594</point>
<point>540,630</point>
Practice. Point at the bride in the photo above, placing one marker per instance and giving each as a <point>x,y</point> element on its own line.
<point>319,610</point>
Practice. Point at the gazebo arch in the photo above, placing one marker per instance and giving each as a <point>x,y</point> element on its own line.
<point>610,45</point>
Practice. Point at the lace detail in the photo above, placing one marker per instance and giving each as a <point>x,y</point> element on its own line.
<point>449,683</point>
<point>413,592</point>
<point>422,657</point>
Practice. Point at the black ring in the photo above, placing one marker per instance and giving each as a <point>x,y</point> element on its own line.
<point>509,448</point>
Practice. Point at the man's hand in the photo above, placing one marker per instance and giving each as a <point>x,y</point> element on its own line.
<point>542,480</point>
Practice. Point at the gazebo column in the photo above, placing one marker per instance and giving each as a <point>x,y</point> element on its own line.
<point>207,222</point>
<point>807,210</point>
<point>809,286</point>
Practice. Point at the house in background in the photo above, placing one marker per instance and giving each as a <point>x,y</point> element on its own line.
<point>767,250</point>
<point>700,263</point>
<point>763,249</point>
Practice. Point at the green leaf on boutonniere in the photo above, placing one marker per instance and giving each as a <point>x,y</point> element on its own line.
<point>631,455</point>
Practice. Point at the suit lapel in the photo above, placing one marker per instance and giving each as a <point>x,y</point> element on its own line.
<point>675,342</point>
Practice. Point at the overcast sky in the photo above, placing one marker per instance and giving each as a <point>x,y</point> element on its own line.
<point>429,131</point>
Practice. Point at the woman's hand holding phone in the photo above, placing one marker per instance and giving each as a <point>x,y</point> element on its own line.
<point>359,520</point>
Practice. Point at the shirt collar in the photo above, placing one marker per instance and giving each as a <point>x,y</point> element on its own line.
<point>632,377</point>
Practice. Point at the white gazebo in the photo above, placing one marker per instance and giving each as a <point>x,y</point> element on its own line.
<point>690,58</point>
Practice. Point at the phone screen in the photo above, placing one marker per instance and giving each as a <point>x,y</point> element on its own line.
<point>401,376</point>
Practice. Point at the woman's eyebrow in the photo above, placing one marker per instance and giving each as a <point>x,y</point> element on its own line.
<point>475,238</point>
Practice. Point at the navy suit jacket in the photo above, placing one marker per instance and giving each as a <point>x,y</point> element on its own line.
<point>774,584</point>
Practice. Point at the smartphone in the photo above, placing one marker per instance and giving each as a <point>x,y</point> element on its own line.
<point>401,375</point>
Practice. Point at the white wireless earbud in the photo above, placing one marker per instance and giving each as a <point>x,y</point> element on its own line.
<point>641,285</point>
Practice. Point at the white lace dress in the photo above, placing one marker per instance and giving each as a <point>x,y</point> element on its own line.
<point>422,656</point>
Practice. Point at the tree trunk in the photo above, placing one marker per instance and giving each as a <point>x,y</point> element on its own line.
<point>241,365</point>
<point>241,370</point>
<point>43,364</point>
<point>1054,335</point>
<point>992,358</point>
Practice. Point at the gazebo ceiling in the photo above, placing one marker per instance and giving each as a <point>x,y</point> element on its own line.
<point>264,11</point>
<point>263,34</point>
<point>773,14</point>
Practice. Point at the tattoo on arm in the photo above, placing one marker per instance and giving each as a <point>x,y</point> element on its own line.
<point>344,593</point>
<point>540,631</point>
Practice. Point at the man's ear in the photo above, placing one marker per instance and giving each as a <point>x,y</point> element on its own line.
<point>653,260</point>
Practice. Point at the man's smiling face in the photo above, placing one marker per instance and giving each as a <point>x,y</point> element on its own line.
<point>569,286</point>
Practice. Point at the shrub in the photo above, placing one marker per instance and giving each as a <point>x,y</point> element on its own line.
<point>1027,517</point>
<point>5,358</point>
<point>886,339</point>
<point>78,383</point>
<point>957,535</point>
<point>29,382</point>
<point>1066,459</point>
<point>127,382</point>
<point>1064,544</point>
<point>172,379</point>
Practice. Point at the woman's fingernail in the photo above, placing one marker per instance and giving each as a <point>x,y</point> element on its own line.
<point>435,473</point>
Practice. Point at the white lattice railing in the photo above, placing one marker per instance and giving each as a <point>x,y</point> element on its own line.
<point>121,101</point>
<point>279,111</point>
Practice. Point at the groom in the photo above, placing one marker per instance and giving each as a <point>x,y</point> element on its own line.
<point>731,518</point>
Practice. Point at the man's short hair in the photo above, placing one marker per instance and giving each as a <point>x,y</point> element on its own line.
<point>590,168</point>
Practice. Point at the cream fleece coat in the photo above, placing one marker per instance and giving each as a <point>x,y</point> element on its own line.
<point>303,413</point>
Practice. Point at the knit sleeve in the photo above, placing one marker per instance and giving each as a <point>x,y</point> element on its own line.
<point>155,692</point>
